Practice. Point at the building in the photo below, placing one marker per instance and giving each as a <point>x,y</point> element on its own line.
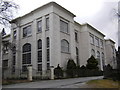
<point>110,53</point>
<point>49,36</point>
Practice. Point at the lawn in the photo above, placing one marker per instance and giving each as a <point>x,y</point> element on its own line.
<point>104,83</point>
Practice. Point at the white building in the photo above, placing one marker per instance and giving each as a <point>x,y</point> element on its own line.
<point>49,36</point>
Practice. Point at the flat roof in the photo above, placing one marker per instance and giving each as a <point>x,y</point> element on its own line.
<point>50,3</point>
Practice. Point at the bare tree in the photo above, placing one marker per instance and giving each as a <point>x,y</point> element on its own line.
<point>7,10</point>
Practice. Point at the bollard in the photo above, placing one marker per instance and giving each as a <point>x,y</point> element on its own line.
<point>52,72</point>
<point>29,72</point>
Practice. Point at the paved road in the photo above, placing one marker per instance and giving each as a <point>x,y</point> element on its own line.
<point>64,83</point>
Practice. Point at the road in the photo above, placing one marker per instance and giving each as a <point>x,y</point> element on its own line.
<point>63,83</point>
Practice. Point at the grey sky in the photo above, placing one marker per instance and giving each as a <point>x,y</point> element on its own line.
<point>98,13</point>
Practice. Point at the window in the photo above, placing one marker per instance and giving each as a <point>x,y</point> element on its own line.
<point>103,59</point>
<point>113,50</point>
<point>101,43</point>
<point>47,23</point>
<point>98,57</point>
<point>39,55</point>
<point>76,37</point>
<point>39,67</point>
<point>91,38</point>
<point>77,56</point>
<point>48,52</point>
<point>39,50</point>
<point>39,26</point>
<point>97,41</point>
<point>64,46</point>
<point>5,64</point>
<point>26,54</point>
<point>64,26</point>
<point>27,31</point>
<point>93,52</point>
<point>14,34</point>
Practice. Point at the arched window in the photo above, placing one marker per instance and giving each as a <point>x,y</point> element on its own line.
<point>93,52</point>
<point>26,56</point>
<point>64,45</point>
<point>39,55</point>
<point>39,50</point>
<point>98,57</point>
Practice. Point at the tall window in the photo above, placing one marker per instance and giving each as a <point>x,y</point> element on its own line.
<point>103,59</point>
<point>39,50</point>
<point>77,56</point>
<point>93,52</point>
<point>39,55</point>
<point>98,57</point>
<point>64,46</point>
<point>47,23</point>
<point>14,59</point>
<point>48,52</point>
<point>76,37</point>
<point>64,26</point>
<point>26,56</point>
<point>91,39</point>
<point>97,41</point>
<point>39,26</point>
<point>27,31</point>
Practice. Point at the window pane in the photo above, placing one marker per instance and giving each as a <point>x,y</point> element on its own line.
<point>64,46</point>
<point>40,56</point>
<point>48,66</point>
<point>47,23</point>
<point>27,31</point>
<point>14,34</point>
<point>63,26</point>
<point>24,68</point>
<point>91,39</point>
<point>39,67</point>
<point>76,36</point>
<point>48,42</point>
<point>48,57</point>
<point>27,48</point>
<point>5,63</point>
<point>97,41</point>
<point>40,44</point>
<point>39,26</point>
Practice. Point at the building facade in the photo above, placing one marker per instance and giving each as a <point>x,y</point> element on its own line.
<point>49,36</point>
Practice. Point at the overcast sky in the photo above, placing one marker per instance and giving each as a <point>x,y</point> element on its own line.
<point>98,13</point>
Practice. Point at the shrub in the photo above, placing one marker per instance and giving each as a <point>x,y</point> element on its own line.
<point>71,68</point>
<point>58,72</point>
<point>92,63</point>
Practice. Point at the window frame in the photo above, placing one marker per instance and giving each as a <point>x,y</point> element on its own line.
<point>27,33</point>
<point>65,49</point>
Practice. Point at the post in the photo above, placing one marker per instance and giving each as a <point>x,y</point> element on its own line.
<point>52,72</point>
<point>29,72</point>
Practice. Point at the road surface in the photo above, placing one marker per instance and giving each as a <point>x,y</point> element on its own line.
<point>62,83</point>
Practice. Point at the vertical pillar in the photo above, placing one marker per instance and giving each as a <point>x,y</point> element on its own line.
<point>29,72</point>
<point>52,72</point>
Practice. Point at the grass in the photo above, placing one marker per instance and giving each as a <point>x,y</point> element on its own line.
<point>104,83</point>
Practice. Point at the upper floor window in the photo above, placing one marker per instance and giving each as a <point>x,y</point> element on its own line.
<point>64,45</point>
<point>27,31</point>
<point>47,42</point>
<point>47,23</point>
<point>39,26</point>
<point>76,36</point>
<point>39,44</point>
<point>97,41</point>
<point>101,43</point>
<point>91,39</point>
<point>64,26</point>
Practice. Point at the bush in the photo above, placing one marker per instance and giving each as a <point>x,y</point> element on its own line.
<point>71,68</point>
<point>92,63</point>
<point>58,72</point>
